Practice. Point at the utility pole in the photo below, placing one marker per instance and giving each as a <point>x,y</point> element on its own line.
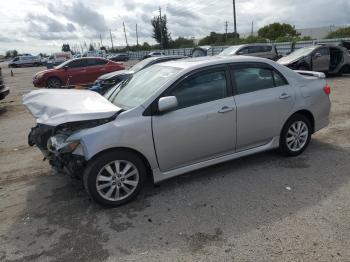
<point>161,28</point>
<point>137,37</point>
<point>126,39</point>
<point>252,28</point>
<point>110,33</point>
<point>101,40</point>
<point>226,30</point>
<point>234,17</point>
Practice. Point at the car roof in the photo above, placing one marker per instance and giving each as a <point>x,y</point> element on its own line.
<point>198,62</point>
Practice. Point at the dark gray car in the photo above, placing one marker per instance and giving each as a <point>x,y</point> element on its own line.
<point>259,50</point>
<point>329,59</point>
<point>105,82</point>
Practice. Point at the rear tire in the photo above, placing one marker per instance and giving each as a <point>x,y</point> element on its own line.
<point>114,178</point>
<point>53,82</point>
<point>295,135</point>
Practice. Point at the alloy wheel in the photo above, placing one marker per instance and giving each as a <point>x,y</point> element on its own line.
<point>117,180</point>
<point>297,136</point>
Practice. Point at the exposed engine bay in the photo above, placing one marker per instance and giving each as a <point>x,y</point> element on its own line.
<point>52,142</point>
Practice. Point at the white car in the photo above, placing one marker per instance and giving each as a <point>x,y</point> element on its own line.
<point>176,117</point>
<point>25,60</point>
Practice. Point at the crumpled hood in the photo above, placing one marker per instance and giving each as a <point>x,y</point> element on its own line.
<point>57,106</point>
<point>116,73</point>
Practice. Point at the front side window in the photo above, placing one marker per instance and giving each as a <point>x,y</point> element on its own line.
<point>201,88</point>
<point>76,63</point>
<point>323,51</point>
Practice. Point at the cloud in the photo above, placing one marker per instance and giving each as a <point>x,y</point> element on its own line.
<point>80,14</point>
<point>43,24</point>
<point>178,11</point>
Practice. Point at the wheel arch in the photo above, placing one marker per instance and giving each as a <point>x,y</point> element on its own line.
<point>126,149</point>
<point>52,77</point>
<point>307,114</point>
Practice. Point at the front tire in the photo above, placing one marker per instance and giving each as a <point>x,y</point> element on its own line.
<point>53,82</point>
<point>114,178</point>
<point>295,135</point>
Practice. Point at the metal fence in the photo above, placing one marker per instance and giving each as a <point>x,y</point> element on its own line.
<point>282,48</point>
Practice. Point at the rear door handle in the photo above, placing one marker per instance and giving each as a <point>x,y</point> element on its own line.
<point>284,96</point>
<point>225,109</point>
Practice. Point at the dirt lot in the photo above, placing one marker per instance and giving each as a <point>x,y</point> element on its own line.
<point>259,208</point>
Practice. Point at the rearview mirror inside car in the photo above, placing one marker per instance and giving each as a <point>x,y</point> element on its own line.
<point>167,103</point>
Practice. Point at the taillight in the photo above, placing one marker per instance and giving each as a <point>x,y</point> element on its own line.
<point>327,89</point>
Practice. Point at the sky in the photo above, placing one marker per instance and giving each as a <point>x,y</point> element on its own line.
<point>33,26</point>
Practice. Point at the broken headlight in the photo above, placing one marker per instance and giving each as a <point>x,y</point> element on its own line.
<point>59,144</point>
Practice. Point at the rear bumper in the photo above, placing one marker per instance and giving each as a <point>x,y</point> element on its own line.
<point>4,91</point>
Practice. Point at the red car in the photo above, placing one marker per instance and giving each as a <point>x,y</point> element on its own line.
<point>80,71</point>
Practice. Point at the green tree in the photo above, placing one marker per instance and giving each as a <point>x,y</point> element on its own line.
<point>340,33</point>
<point>277,30</point>
<point>220,39</point>
<point>65,48</point>
<point>160,31</point>
<point>181,42</point>
<point>11,53</point>
<point>91,47</point>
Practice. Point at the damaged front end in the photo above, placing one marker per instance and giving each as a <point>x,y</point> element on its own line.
<point>64,155</point>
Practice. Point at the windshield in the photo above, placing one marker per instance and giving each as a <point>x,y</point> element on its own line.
<point>141,65</point>
<point>301,52</point>
<point>140,86</point>
<point>230,50</point>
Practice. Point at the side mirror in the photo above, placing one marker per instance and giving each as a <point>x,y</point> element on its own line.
<point>66,67</point>
<point>317,55</point>
<point>167,103</point>
<point>240,53</point>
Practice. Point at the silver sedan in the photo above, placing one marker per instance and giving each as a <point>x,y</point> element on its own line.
<point>176,117</point>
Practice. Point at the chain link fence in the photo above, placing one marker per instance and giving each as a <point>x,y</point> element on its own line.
<point>282,48</point>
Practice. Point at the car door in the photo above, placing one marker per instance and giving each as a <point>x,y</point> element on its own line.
<point>75,72</point>
<point>263,100</point>
<point>95,67</point>
<point>204,124</point>
<point>321,59</point>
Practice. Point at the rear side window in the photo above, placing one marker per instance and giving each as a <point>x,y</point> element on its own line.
<point>96,62</point>
<point>201,88</point>
<point>252,79</point>
<point>279,79</point>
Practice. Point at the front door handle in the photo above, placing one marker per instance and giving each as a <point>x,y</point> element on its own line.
<point>284,96</point>
<point>225,109</point>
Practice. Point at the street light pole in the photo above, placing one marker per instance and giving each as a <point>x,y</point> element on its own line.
<point>234,18</point>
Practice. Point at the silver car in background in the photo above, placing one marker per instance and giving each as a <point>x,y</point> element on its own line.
<point>176,117</point>
<point>330,59</point>
<point>259,50</point>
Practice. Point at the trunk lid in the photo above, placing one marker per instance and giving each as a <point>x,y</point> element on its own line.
<point>57,106</point>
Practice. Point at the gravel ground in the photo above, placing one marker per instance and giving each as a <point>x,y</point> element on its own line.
<point>259,208</point>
